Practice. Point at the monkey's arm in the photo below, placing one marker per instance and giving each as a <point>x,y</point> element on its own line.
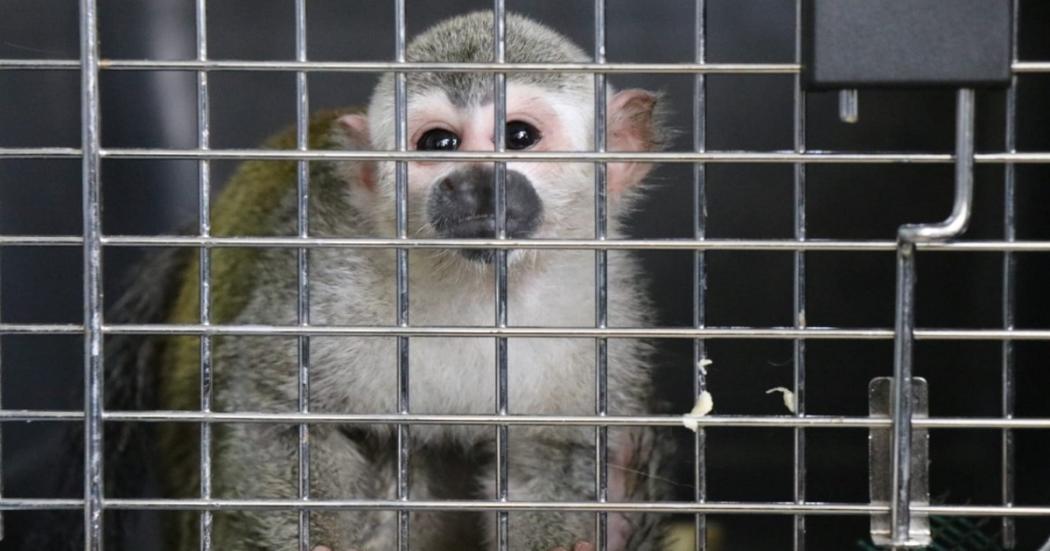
<point>259,200</point>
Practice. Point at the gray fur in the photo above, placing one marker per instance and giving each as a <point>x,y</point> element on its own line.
<point>468,38</point>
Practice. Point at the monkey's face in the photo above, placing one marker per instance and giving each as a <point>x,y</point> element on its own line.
<point>544,199</point>
<point>457,200</point>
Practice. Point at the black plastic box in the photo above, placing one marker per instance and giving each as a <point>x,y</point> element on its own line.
<point>891,43</point>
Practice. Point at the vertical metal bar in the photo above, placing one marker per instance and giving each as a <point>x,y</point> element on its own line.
<point>799,296</point>
<point>302,143</point>
<point>92,220</point>
<point>601,287</point>
<point>1,393</point>
<point>700,265</point>
<point>1009,298</point>
<point>204,230</point>
<point>401,219</point>
<point>908,236</point>
<point>849,105</point>
<point>499,135</point>
<point>900,497</point>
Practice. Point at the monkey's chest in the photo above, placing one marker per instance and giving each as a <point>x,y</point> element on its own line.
<point>459,375</point>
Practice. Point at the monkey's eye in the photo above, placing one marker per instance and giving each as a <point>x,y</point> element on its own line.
<point>521,135</point>
<point>438,139</point>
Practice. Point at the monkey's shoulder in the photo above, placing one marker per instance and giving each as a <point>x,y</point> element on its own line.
<point>256,190</point>
<point>259,200</point>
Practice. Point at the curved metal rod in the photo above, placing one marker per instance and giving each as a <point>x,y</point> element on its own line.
<point>958,221</point>
<point>908,236</point>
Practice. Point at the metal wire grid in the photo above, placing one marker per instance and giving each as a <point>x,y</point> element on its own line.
<point>92,241</point>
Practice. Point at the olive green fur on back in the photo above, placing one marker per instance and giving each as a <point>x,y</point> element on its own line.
<point>260,199</point>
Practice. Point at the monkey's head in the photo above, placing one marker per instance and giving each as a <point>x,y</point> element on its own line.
<point>454,111</point>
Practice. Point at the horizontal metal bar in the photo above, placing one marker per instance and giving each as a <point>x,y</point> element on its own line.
<point>724,157</point>
<point>755,157</point>
<point>982,510</point>
<point>736,421</point>
<point>41,329</point>
<point>447,505</point>
<point>579,244</point>
<point>385,66</point>
<point>39,153</point>
<point>41,240</point>
<point>741,333</point>
<point>1031,66</point>
<point>711,507</point>
<point>39,64</point>
<point>582,332</point>
<point>450,419</point>
<point>408,67</point>
<point>789,245</point>
<point>482,331</point>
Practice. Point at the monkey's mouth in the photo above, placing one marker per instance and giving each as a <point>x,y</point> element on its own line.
<point>484,227</point>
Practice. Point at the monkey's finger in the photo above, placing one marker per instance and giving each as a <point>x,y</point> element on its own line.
<point>583,546</point>
<point>322,548</point>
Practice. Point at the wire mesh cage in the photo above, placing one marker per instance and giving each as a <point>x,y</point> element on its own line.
<point>767,240</point>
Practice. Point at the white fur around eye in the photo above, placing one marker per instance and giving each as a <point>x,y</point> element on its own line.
<point>578,122</point>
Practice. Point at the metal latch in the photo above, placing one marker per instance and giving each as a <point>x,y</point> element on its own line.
<point>963,44</point>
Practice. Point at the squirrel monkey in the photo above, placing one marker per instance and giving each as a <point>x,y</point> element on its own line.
<point>446,112</point>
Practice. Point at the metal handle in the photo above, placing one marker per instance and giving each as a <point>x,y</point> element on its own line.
<point>907,237</point>
<point>880,468</point>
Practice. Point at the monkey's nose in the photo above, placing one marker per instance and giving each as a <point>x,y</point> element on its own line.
<point>462,205</point>
<point>465,196</point>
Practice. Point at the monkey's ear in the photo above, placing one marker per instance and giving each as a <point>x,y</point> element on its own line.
<point>353,134</point>
<point>635,123</point>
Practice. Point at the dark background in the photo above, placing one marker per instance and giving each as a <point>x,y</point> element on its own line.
<point>844,289</point>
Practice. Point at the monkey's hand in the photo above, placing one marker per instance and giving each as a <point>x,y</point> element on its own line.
<point>548,469</point>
